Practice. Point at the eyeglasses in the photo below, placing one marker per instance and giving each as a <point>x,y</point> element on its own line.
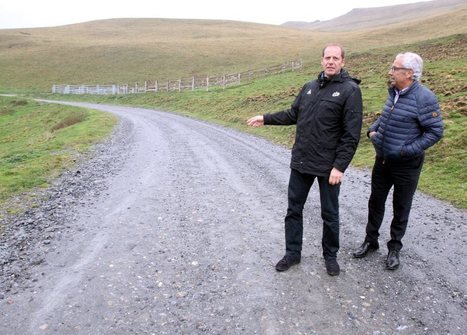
<point>396,68</point>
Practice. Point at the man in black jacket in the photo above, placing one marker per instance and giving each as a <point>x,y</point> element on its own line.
<point>328,117</point>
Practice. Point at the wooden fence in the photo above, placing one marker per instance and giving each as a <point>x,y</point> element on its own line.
<point>179,85</point>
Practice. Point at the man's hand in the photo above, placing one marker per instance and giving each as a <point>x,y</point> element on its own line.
<point>256,121</point>
<point>336,177</point>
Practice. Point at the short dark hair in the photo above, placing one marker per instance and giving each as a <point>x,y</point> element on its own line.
<point>334,45</point>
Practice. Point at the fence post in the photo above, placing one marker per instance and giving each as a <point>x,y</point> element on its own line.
<point>226,79</point>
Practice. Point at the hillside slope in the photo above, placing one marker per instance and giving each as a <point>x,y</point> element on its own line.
<point>127,50</point>
<point>365,18</point>
<point>130,50</point>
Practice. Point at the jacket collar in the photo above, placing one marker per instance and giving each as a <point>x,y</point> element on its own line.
<point>392,90</point>
<point>340,77</point>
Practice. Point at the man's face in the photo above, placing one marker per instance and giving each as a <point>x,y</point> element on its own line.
<point>332,61</point>
<point>399,76</point>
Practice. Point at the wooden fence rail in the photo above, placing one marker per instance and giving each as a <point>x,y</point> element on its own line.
<point>182,84</point>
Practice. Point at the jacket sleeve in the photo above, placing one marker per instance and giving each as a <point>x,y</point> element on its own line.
<point>431,125</point>
<point>373,127</point>
<point>286,117</point>
<point>352,126</point>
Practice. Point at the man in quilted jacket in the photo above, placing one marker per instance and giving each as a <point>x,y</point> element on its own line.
<point>409,124</point>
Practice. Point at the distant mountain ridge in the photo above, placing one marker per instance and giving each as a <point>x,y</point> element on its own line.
<point>363,18</point>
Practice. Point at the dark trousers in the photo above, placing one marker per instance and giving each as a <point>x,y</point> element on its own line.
<point>299,187</point>
<point>403,175</point>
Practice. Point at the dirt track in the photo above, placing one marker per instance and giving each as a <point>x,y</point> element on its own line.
<point>176,230</point>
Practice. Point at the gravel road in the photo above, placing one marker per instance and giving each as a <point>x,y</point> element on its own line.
<point>173,226</point>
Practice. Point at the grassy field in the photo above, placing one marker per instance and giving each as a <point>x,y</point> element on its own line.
<point>445,72</point>
<point>38,140</point>
<point>124,51</point>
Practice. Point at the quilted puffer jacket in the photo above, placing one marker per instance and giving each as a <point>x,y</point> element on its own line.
<point>408,127</point>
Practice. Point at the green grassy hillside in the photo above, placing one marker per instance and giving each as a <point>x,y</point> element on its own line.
<point>130,50</point>
<point>445,72</point>
<point>38,140</point>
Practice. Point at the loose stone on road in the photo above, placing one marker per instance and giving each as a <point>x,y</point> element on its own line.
<point>174,227</point>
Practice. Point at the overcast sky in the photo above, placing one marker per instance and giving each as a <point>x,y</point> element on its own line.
<point>48,13</point>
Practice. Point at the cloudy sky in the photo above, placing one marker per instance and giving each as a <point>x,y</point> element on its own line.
<point>48,13</point>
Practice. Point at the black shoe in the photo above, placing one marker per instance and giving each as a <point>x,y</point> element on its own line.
<point>363,250</point>
<point>286,262</point>
<point>392,263</point>
<point>332,267</point>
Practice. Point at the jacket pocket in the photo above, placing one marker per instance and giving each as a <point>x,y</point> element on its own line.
<point>376,141</point>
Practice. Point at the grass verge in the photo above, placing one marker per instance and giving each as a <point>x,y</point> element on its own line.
<point>38,141</point>
<point>444,173</point>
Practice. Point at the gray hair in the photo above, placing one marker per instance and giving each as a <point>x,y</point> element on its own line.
<point>414,62</point>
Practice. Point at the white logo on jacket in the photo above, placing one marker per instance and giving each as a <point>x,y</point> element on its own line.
<point>309,92</point>
<point>336,94</point>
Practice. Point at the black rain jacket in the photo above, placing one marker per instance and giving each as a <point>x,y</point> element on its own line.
<point>328,115</point>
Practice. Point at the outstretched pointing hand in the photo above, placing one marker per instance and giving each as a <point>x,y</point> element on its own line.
<point>256,121</point>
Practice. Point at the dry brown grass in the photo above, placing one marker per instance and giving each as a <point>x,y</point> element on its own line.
<point>69,121</point>
<point>130,50</point>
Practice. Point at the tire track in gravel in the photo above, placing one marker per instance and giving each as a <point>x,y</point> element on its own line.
<point>185,239</point>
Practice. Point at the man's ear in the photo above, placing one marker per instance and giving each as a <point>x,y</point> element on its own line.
<point>410,74</point>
